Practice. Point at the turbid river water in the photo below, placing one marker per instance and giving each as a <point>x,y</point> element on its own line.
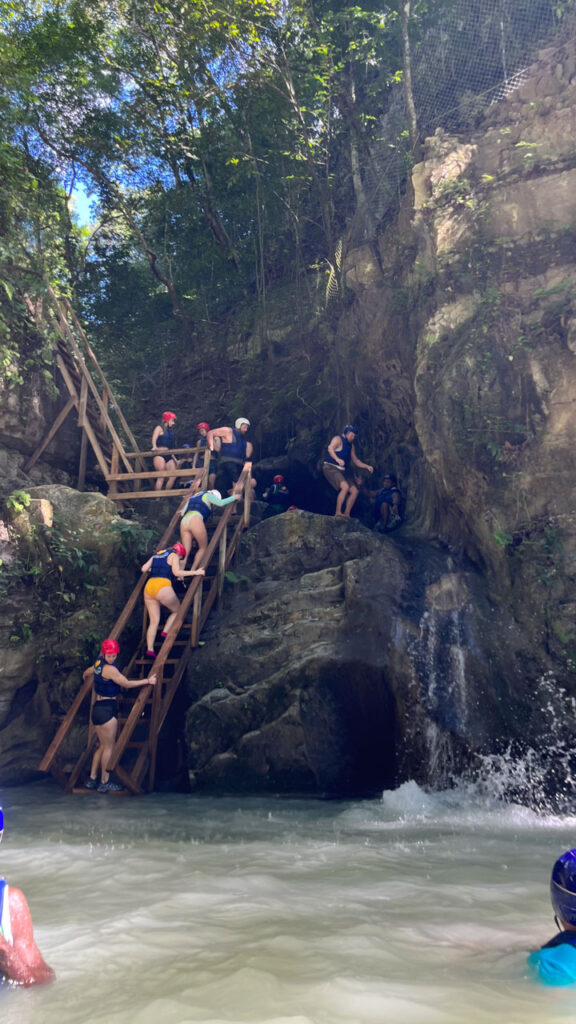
<point>408,909</point>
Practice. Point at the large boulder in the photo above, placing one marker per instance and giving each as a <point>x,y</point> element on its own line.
<point>348,662</point>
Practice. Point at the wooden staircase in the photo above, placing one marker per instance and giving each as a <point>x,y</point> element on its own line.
<point>100,418</point>
<point>141,719</point>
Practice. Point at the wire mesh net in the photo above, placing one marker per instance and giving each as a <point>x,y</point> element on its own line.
<point>472,54</point>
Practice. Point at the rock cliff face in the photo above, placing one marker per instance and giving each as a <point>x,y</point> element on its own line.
<point>67,566</point>
<point>468,314</point>
<point>348,663</point>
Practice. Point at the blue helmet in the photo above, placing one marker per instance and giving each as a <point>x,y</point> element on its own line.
<point>350,429</point>
<point>1,823</point>
<point>563,887</point>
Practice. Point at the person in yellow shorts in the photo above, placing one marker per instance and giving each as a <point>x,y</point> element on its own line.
<point>164,568</point>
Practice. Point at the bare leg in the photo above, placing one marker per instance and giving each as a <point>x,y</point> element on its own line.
<point>168,599</point>
<point>352,495</point>
<point>96,760</point>
<point>107,735</point>
<point>153,609</point>
<point>198,531</point>
<point>159,463</point>
<point>170,465</point>
<point>342,494</point>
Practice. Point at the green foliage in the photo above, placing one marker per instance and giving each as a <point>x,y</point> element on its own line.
<point>18,501</point>
<point>235,578</point>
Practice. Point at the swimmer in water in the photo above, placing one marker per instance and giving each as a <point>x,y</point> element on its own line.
<point>21,961</point>
<point>555,962</point>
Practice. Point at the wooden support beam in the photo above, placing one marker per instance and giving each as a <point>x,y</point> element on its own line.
<point>46,762</point>
<point>83,402</point>
<point>88,427</point>
<point>63,329</point>
<point>82,460</point>
<point>113,475</point>
<point>247,493</point>
<point>221,564</point>
<point>154,474</point>
<point>51,433</point>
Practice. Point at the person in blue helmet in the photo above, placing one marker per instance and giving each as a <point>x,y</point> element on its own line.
<point>338,468</point>
<point>21,962</point>
<point>555,962</point>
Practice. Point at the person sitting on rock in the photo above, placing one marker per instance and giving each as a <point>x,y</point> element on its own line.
<point>21,962</point>
<point>234,450</point>
<point>277,496</point>
<point>555,962</point>
<point>337,468</point>
<point>387,505</point>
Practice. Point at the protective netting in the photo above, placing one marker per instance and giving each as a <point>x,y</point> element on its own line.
<point>474,53</point>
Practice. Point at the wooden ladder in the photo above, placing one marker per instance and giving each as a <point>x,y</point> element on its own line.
<point>141,719</point>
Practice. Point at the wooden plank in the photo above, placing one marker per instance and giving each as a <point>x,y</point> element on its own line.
<point>221,564</point>
<point>88,427</point>
<point>64,729</point>
<point>171,451</point>
<point>83,402</point>
<point>135,495</point>
<point>153,474</point>
<point>51,433</point>
<point>64,330</point>
<point>98,368</point>
<point>113,488</point>
<point>80,763</point>
<point>154,730</point>
<point>127,780</point>
<point>247,493</point>
<point>82,460</point>
<point>125,733</point>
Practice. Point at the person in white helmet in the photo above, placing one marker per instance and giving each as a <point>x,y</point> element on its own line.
<point>233,449</point>
<point>21,962</point>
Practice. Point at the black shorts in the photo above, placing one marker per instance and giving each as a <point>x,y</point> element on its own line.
<point>103,711</point>
<point>227,475</point>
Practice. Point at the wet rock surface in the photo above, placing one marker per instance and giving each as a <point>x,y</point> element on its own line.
<point>347,663</point>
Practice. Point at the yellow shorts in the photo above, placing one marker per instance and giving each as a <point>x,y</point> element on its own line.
<point>155,585</point>
<point>186,519</point>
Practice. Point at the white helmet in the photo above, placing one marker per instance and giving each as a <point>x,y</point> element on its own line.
<point>215,494</point>
<point>240,421</point>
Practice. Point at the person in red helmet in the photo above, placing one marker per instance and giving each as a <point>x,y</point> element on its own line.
<point>164,567</point>
<point>202,442</point>
<point>21,962</point>
<point>163,438</point>
<point>278,497</point>
<point>108,681</point>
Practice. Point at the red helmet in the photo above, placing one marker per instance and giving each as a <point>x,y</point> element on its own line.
<point>167,416</point>
<point>179,549</point>
<point>205,425</point>
<point>278,479</point>
<point>110,647</point>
